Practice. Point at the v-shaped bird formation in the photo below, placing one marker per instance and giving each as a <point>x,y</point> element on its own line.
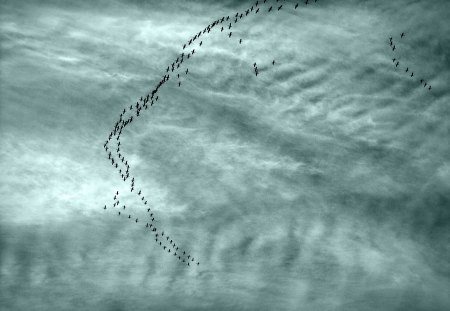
<point>118,159</point>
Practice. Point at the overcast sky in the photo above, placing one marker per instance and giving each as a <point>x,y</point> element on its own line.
<point>323,183</point>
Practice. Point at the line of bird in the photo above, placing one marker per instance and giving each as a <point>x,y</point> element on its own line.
<point>167,244</point>
<point>397,62</point>
<point>119,161</point>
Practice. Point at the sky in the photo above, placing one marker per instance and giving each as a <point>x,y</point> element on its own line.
<point>322,183</point>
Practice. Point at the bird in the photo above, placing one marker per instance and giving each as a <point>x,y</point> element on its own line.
<point>179,83</point>
<point>202,41</point>
<point>406,69</point>
<point>279,8</point>
<point>229,35</point>
<point>104,207</point>
<point>240,41</point>
<point>129,216</point>
<point>273,62</point>
<point>402,35</point>
<point>425,84</point>
<point>119,212</point>
<point>393,60</point>
<point>198,263</point>
<point>412,74</point>
<point>270,9</point>
<point>397,64</point>
<point>429,88</point>
<point>296,6</point>
<point>187,70</point>
<point>136,220</point>
<point>393,48</point>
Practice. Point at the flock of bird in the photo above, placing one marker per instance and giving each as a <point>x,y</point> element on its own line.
<point>397,62</point>
<point>120,162</point>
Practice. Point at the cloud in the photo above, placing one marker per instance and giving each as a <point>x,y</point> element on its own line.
<point>320,184</point>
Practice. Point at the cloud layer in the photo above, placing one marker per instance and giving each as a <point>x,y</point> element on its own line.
<point>321,184</point>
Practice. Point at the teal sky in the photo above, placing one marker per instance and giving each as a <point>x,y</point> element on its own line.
<point>323,183</point>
